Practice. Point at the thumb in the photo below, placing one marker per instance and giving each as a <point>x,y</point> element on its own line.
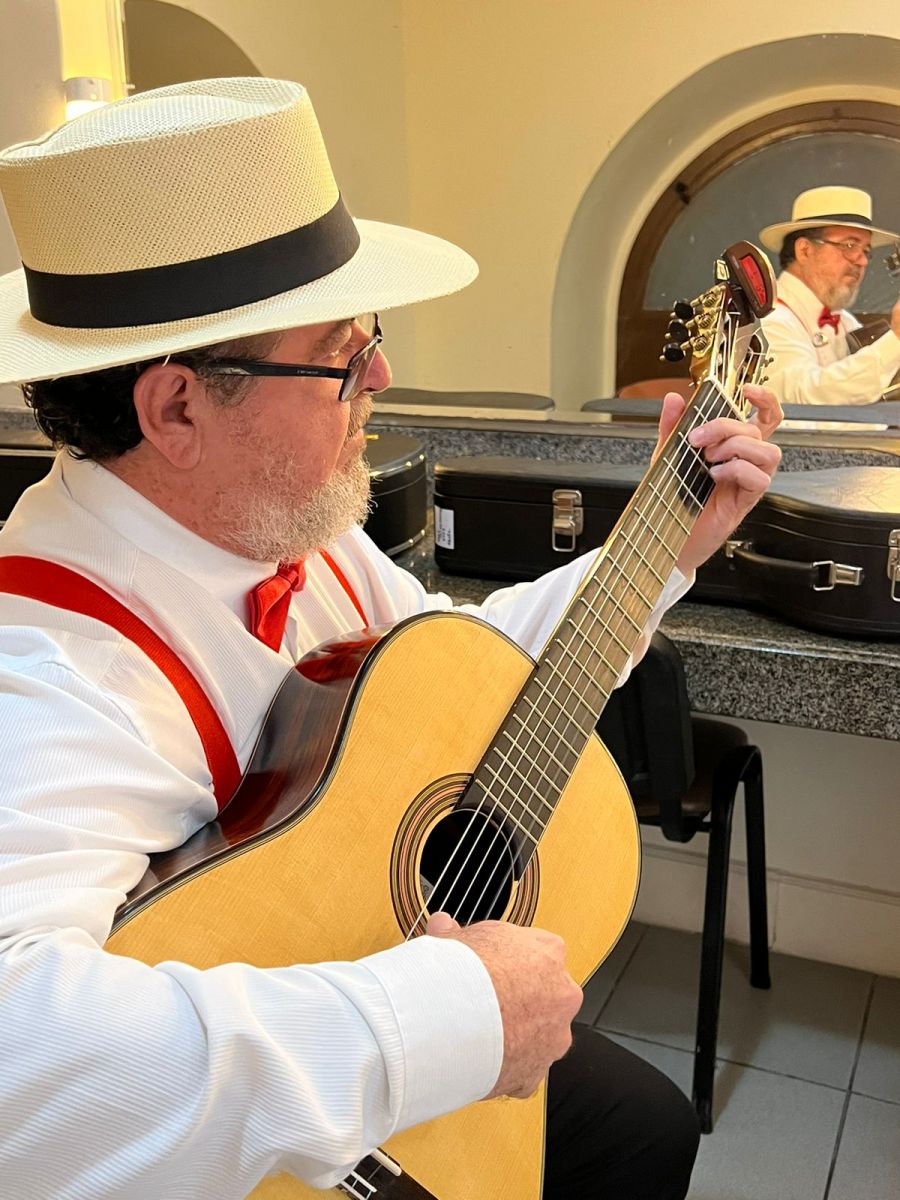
<point>440,924</point>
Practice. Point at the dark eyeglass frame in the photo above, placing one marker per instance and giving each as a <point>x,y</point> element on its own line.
<point>846,248</point>
<point>353,375</point>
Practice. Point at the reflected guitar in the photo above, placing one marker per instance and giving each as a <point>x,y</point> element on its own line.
<point>435,766</point>
<point>872,330</point>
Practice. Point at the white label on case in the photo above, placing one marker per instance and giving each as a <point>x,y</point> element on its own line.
<point>443,527</point>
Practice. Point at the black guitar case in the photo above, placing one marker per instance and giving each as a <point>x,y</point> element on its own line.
<point>822,549</point>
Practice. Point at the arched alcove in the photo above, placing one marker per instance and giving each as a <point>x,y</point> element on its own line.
<point>723,96</point>
<point>167,44</point>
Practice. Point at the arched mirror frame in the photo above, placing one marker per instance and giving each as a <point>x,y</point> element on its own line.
<point>640,331</point>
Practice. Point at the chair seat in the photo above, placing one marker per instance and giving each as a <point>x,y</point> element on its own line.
<point>712,740</point>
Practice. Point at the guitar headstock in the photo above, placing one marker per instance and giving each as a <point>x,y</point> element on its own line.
<point>720,329</point>
<point>892,261</point>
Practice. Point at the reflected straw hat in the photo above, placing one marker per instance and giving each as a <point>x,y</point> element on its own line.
<point>821,206</point>
<point>190,215</point>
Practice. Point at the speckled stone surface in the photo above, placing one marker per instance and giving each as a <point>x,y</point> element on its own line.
<point>606,444</point>
<point>746,664</point>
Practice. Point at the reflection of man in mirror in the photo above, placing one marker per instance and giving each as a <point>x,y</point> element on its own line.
<point>824,251</point>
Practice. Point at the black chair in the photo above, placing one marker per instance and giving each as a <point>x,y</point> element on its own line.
<point>683,772</point>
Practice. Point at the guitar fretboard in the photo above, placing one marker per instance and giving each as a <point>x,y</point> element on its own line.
<point>527,766</point>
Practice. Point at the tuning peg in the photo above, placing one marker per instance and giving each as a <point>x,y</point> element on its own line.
<point>672,352</point>
<point>678,332</point>
<point>683,309</point>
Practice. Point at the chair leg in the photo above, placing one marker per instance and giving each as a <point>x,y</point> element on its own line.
<point>713,945</point>
<point>756,874</point>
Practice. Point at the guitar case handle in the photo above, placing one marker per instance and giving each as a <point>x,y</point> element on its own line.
<point>817,576</point>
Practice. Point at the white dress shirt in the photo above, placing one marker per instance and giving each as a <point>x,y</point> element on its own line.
<point>123,1081</point>
<point>815,366</point>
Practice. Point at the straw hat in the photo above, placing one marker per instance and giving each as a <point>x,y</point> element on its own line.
<point>828,206</point>
<point>190,215</point>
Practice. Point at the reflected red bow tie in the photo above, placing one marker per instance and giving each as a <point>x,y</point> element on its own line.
<point>827,317</point>
<point>270,600</point>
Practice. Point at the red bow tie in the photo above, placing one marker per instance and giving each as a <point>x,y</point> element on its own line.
<point>270,600</point>
<point>827,317</point>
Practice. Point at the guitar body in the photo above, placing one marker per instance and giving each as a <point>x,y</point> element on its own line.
<point>319,857</point>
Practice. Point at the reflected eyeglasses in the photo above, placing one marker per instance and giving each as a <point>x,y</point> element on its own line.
<point>848,249</point>
<point>353,375</point>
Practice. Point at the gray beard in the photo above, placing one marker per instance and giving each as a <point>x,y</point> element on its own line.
<point>841,297</point>
<point>278,527</point>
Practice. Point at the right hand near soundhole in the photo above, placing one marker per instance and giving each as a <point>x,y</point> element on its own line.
<point>538,997</point>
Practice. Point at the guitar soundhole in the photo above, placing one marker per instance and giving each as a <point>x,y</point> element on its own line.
<point>468,866</point>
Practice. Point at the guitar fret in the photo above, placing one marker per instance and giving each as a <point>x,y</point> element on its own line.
<point>559,738</point>
<point>551,725</point>
<point>578,696</point>
<point>651,484</point>
<point>507,812</point>
<point>532,733</point>
<point>660,579</point>
<point>506,782</point>
<point>635,625</point>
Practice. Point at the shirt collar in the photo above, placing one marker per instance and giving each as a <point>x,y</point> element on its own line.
<point>805,303</point>
<point>226,576</point>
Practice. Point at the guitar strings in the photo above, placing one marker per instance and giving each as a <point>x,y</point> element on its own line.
<point>687,452</point>
<point>574,630</point>
<point>746,368</point>
<point>696,470</point>
<point>749,365</point>
<point>498,831</point>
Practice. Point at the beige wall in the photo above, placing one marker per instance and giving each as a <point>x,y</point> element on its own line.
<point>537,133</point>
<point>31,96</point>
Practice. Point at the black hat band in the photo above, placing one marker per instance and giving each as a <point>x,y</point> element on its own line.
<point>213,284</point>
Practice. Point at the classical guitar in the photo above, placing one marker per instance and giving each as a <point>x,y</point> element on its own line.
<point>436,766</point>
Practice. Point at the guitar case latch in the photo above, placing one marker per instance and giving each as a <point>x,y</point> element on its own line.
<point>893,563</point>
<point>568,519</point>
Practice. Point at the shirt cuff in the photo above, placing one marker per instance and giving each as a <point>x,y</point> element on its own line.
<point>887,349</point>
<point>677,585</point>
<point>449,1022</point>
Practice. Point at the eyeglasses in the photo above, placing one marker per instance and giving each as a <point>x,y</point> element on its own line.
<point>353,375</point>
<point>848,249</point>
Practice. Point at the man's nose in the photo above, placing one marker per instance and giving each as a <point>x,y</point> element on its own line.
<point>378,377</point>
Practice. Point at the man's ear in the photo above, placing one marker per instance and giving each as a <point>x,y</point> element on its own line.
<point>802,249</point>
<point>168,399</point>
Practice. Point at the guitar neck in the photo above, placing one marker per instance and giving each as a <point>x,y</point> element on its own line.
<point>535,751</point>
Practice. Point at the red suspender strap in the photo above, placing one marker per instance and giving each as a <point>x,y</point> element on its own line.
<point>345,584</point>
<point>57,585</point>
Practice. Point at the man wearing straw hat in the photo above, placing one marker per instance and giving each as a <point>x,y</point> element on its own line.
<point>824,251</point>
<point>187,324</point>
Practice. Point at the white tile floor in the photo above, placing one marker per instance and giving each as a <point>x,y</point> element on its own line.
<point>807,1103</point>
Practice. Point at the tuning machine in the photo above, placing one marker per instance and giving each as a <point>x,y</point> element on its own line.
<point>678,335</point>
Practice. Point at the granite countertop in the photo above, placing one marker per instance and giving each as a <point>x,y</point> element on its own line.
<point>745,664</point>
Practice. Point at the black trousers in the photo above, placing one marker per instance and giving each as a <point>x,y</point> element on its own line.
<point>617,1129</point>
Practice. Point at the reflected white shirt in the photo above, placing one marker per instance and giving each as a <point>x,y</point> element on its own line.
<point>813,365</point>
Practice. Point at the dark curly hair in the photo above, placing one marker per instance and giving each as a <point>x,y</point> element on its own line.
<point>788,246</point>
<point>93,416</point>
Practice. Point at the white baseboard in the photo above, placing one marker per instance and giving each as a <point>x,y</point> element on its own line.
<point>811,918</point>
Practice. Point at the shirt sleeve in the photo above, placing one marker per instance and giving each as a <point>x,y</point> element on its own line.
<point>797,377</point>
<point>123,1081</point>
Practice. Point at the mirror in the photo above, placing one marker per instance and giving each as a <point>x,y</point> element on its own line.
<point>590,204</point>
